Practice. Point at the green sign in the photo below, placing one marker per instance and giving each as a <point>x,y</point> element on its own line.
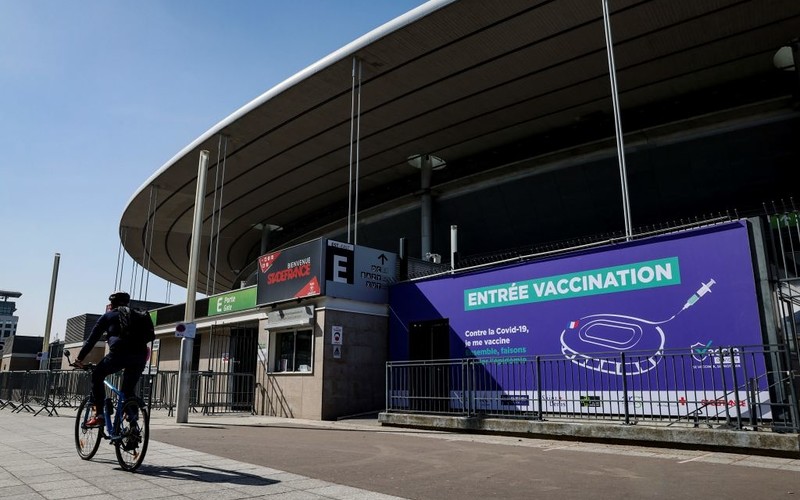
<point>784,220</point>
<point>238,300</point>
<point>633,276</point>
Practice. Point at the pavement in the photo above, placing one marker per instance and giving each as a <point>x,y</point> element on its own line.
<point>38,461</point>
<point>243,456</point>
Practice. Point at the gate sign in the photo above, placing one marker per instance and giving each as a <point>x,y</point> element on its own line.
<point>692,292</point>
<point>237,300</point>
<point>291,273</point>
<point>359,273</point>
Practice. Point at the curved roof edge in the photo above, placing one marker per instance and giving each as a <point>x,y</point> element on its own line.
<point>349,49</point>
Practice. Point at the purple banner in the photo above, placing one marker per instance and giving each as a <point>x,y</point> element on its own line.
<point>691,293</point>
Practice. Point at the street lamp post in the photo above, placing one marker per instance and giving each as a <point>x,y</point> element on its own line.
<point>187,343</point>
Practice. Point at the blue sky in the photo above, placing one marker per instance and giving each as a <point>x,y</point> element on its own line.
<point>96,95</point>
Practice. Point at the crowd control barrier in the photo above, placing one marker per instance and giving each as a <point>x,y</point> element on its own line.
<point>736,387</point>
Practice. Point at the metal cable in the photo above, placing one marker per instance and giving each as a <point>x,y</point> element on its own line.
<point>133,276</point>
<point>612,72</point>
<point>213,212</point>
<point>350,180</point>
<point>116,273</point>
<point>122,267</point>
<point>144,243</point>
<point>152,237</point>
<point>219,215</point>
<point>358,156</point>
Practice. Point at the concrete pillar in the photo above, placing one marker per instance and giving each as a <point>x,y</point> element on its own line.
<point>426,206</point>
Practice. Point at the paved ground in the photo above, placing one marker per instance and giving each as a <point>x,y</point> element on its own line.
<point>231,457</point>
<point>38,461</point>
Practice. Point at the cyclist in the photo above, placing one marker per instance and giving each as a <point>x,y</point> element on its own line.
<point>126,352</point>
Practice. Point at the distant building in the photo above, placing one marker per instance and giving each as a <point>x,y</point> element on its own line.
<point>21,353</point>
<point>78,330</point>
<point>80,327</point>
<point>8,322</point>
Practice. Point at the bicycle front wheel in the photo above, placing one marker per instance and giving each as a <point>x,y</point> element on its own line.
<point>134,434</point>
<point>87,439</point>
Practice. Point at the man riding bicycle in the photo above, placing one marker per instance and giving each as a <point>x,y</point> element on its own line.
<point>126,352</point>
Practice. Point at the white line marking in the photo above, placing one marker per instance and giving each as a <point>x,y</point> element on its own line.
<point>695,458</point>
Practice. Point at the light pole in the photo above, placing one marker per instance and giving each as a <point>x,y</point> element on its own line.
<point>45,362</point>
<point>187,342</point>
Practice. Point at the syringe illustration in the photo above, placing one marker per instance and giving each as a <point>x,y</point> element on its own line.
<point>620,333</point>
<point>704,289</point>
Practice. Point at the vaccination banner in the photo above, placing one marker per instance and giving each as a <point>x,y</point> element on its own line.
<point>691,292</point>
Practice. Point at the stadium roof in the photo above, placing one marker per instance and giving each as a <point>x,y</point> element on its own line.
<point>451,79</point>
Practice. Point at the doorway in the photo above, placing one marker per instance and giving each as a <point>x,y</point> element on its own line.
<point>429,340</point>
<point>429,380</point>
<point>230,380</point>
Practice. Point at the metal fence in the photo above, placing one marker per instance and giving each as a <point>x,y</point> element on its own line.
<point>739,387</point>
<point>35,392</point>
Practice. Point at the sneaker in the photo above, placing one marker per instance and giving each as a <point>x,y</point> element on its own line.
<point>95,421</point>
<point>131,439</point>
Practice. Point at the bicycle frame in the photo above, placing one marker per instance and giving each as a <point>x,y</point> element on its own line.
<point>109,423</point>
<point>126,432</point>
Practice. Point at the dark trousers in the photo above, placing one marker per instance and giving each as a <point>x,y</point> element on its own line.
<point>132,363</point>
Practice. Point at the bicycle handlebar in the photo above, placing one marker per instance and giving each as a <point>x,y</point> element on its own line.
<point>85,367</point>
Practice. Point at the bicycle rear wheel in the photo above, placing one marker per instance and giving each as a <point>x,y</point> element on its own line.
<point>87,439</point>
<point>134,431</point>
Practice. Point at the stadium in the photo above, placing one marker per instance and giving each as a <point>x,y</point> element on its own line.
<point>465,146</point>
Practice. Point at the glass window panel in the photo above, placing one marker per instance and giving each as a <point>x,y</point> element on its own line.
<point>292,352</point>
<point>303,351</point>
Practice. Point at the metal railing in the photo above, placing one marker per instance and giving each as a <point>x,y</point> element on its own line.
<point>38,391</point>
<point>733,386</point>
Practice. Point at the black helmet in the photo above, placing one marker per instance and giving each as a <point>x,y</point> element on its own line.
<point>119,298</point>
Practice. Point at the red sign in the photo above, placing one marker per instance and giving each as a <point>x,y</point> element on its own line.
<point>291,273</point>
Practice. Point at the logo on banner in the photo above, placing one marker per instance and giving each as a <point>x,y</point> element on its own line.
<point>266,261</point>
<point>311,288</point>
<point>700,351</point>
<point>591,401</point>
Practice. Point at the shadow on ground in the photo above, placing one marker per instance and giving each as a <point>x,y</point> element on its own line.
<point>206,474</point>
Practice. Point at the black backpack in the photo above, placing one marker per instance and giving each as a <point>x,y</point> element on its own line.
<point>136,324</point>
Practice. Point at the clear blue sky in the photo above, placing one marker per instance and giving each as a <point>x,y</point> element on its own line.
<point>96,95</point>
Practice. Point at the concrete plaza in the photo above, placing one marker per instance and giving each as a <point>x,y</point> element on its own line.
<point>240,456</point>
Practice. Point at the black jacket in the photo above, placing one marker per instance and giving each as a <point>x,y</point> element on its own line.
<point>109,323</point>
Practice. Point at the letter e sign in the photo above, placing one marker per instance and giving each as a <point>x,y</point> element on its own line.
<point>340,266</point>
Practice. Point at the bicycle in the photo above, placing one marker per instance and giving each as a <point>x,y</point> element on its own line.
<point>130,439</point>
